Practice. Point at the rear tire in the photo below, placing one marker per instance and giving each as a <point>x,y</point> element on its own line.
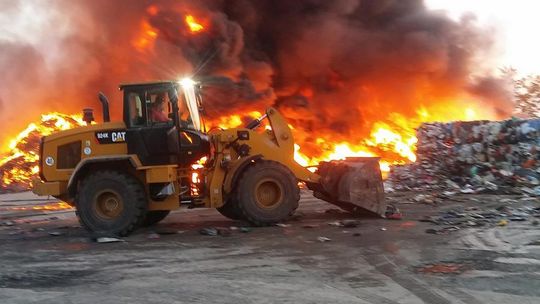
<point>267,193</point>
<point>111,203</point>
<point>230,210</point>
<point>154,217</point>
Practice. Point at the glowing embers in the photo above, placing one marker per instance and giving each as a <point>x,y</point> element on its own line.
<point>197,173</point>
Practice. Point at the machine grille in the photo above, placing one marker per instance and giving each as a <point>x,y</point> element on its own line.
<point>69,155</point>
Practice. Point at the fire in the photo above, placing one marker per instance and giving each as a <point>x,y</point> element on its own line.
<point>20,163</point>
<point>194,25</point>
<point>393,140</point>
<point>56,206</point>
<point>235,121</point>
<point>145,39</point>
<point>400,144</point>
<point>232,121</point>
<point>384,136</point>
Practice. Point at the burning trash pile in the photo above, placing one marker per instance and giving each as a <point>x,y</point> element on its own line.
<point>22,162</point>
<point>474,157</point>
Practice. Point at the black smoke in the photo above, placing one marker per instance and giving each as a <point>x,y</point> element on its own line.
<point>332,67</point>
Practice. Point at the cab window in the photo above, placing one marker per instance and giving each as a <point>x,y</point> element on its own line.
<point>135,110</point>
<point>159,108</point>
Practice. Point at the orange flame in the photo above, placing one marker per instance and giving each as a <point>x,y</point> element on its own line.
<point>56,206</point>
<point>145,38</point>
<point>393,140</point>
<point>193,25</point>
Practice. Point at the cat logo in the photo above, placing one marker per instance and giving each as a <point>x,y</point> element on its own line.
<point>111,137</point>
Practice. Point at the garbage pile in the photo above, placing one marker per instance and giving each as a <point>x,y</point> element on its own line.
<point>474,157</point>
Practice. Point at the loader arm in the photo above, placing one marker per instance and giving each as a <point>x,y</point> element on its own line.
<point>353,184</point>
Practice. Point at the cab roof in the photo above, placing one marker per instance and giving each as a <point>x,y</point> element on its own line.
<point>148,84</point>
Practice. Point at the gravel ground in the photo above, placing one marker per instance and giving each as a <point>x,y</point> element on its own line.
<point>46,257</point>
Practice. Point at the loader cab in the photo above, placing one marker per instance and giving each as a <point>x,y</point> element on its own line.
<point>163,123</point>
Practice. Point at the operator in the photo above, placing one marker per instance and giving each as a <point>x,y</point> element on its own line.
<point>157,111</point>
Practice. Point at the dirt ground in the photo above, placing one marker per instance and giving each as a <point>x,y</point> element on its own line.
<point>46,257</point>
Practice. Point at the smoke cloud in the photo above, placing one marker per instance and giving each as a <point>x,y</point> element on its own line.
<point>334,68</point>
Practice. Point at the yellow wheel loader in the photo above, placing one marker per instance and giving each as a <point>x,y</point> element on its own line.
<point>123,175</point>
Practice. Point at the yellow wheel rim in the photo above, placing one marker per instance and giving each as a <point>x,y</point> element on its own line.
<point>268,193</point>
<point>108,205</point>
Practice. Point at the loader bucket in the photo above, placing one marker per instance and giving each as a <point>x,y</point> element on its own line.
<point>354,184</point>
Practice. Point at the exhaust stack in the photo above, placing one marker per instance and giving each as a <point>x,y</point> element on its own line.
<point>105,104</point>
<point>88,116</point>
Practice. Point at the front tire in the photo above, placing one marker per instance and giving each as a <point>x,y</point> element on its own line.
<point>267,193</point>
<point>111,202</point>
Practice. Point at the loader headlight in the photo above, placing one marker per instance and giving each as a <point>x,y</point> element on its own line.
<point>187,82</point>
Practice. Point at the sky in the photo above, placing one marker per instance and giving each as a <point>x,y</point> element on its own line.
<point>516,23</point>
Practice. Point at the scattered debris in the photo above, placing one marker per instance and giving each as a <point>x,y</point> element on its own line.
<point>298,215</point>
<point>461,217</point>
<point>502,222</point>
<point>383,229</point>
<point>153,236</point>
<point>444,268</point>
<point>209,231</point>
<point>336,224</point>
<point>283,225</point>
<point>323,239</point>
<point>224,231</point>
<point>350,223</point>
<point>444,230</point>
<point>108,240</point>
<point>343,223</point>
<point>393,213</point>
<point>219,231</point>
<point>425,199</point>
<point>245,229</point>
<point>55,233</point>
<point>395,216</point>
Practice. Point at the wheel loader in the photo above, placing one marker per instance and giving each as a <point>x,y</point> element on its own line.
<point>123,175</point>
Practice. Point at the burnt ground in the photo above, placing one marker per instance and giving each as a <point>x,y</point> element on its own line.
<point>46,257</point>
